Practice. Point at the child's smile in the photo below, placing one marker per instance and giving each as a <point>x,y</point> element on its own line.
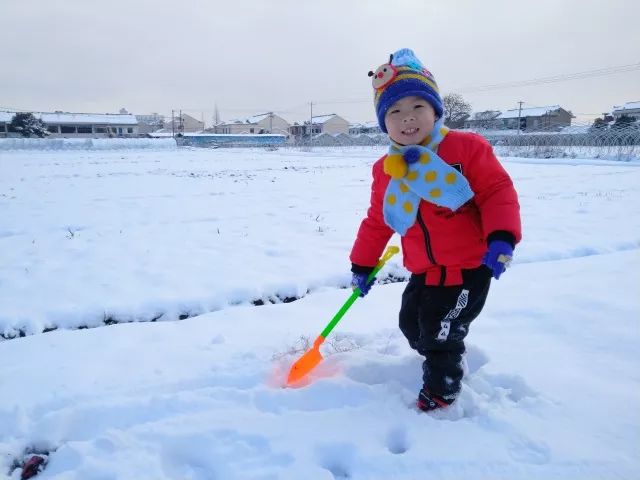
<point>410,120</point>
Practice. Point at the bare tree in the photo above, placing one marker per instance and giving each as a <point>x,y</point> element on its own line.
<point>456,110</point>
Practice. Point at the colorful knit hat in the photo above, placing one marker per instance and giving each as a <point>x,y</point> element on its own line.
<point>403,76</point>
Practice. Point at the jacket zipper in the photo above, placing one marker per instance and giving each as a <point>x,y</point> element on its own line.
<point>427,243</point>
<point>427,238</point>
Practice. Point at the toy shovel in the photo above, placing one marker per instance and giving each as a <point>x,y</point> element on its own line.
<point>311,358</point>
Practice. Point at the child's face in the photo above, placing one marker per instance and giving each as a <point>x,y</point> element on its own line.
<point>410,120</point>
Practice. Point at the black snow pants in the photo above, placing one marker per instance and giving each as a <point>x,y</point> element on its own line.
<point>436,320</point>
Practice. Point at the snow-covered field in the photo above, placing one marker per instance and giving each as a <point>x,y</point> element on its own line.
<point>88,238</point>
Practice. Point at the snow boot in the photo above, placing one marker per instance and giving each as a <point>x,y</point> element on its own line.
<point>32,467</point>
<point>428,401</point>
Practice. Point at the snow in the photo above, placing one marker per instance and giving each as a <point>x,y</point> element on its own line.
<point>627,107</point>
<point>369,124</point>
<point>529,112</point>
<point>249,120</point>
<point>320,119</point>
<point>93,118</point>
<point>85,143</point>
<point>484,115</point>
<point>58,118</point>
<point>552,385</point>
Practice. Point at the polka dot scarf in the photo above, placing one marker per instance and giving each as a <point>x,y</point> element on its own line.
<point>418,173</point>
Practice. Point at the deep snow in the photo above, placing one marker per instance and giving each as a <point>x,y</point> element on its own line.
<point>552,384</point>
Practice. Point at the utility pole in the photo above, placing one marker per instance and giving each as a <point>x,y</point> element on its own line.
<point>310,122</point>
<point>519,114</point>
<point>173,125</point>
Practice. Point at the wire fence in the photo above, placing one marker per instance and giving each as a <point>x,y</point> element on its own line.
<point>615,143</point>
<point>622,143</point>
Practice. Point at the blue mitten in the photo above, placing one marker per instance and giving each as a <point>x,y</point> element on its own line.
<point>359,280</point>
<point>498,257</point>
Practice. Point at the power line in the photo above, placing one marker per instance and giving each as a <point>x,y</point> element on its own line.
<point>482,88</point>
<point>555,78</point>
<point>599,72</point>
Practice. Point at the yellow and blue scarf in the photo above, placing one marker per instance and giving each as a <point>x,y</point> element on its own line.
<point>418,173</point>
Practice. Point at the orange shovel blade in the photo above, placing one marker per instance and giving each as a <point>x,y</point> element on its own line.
<point>307,362</point>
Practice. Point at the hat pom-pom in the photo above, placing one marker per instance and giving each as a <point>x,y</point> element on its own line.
<point>412,155</point>
<point>395,166</point>
<point>405,56</point>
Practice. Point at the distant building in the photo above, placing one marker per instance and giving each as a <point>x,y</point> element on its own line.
<point>258,124</point>
<point>150,123</point>
<point>536,118</point>
<point>182,124</point>
<point>630,109</point>
<point>5,119</point>
<point>483,120</point>
<point>331,123</point>
<point>78,125</point>
<point>365,128</point>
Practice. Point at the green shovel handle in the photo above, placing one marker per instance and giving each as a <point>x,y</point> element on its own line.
<point>389,252</point>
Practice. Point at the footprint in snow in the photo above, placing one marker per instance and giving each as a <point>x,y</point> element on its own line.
<point>338,458</point>
<point>396,441</point>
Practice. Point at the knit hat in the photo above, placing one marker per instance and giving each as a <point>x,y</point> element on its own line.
<point>403,76</point>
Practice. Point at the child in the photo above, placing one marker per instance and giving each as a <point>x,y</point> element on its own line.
<point>456,211</point>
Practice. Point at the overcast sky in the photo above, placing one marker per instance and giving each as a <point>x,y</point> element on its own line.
<point>253,56</point>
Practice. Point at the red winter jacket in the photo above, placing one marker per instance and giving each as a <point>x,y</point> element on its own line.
<point>443,242</point>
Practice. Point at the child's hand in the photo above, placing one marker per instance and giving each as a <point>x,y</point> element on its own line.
<point>498,257</point>
<point>359,280</point>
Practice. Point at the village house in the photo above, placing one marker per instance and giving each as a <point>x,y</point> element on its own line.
<point>258,124</point>
<point>552,117</point>
<point>78,125</point>
<point>182,123</point>
<point>366,128</point>
<point>150,123</point>
<point>5,120</point>
<point>332,124</point>
<point>630,109</point>
<point>483,120</point>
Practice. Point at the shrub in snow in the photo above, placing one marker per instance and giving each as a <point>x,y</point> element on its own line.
<point>27,125</point>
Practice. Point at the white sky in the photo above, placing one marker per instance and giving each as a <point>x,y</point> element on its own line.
<point>255,56</point>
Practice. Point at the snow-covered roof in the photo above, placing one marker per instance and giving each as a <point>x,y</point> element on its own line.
<point>249,120</point>
<point>108,118</point>
<point>369,124</point>
<point>486,115</point>
<point>78,118</point>
<point>258,118</point>
<point>627,106</point>
<point>5,117</point>
<point>529,112</point>
<point>320,119</point>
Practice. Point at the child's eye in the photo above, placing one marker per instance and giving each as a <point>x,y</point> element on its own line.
<point>418,106</point>
<point>393,111</point>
